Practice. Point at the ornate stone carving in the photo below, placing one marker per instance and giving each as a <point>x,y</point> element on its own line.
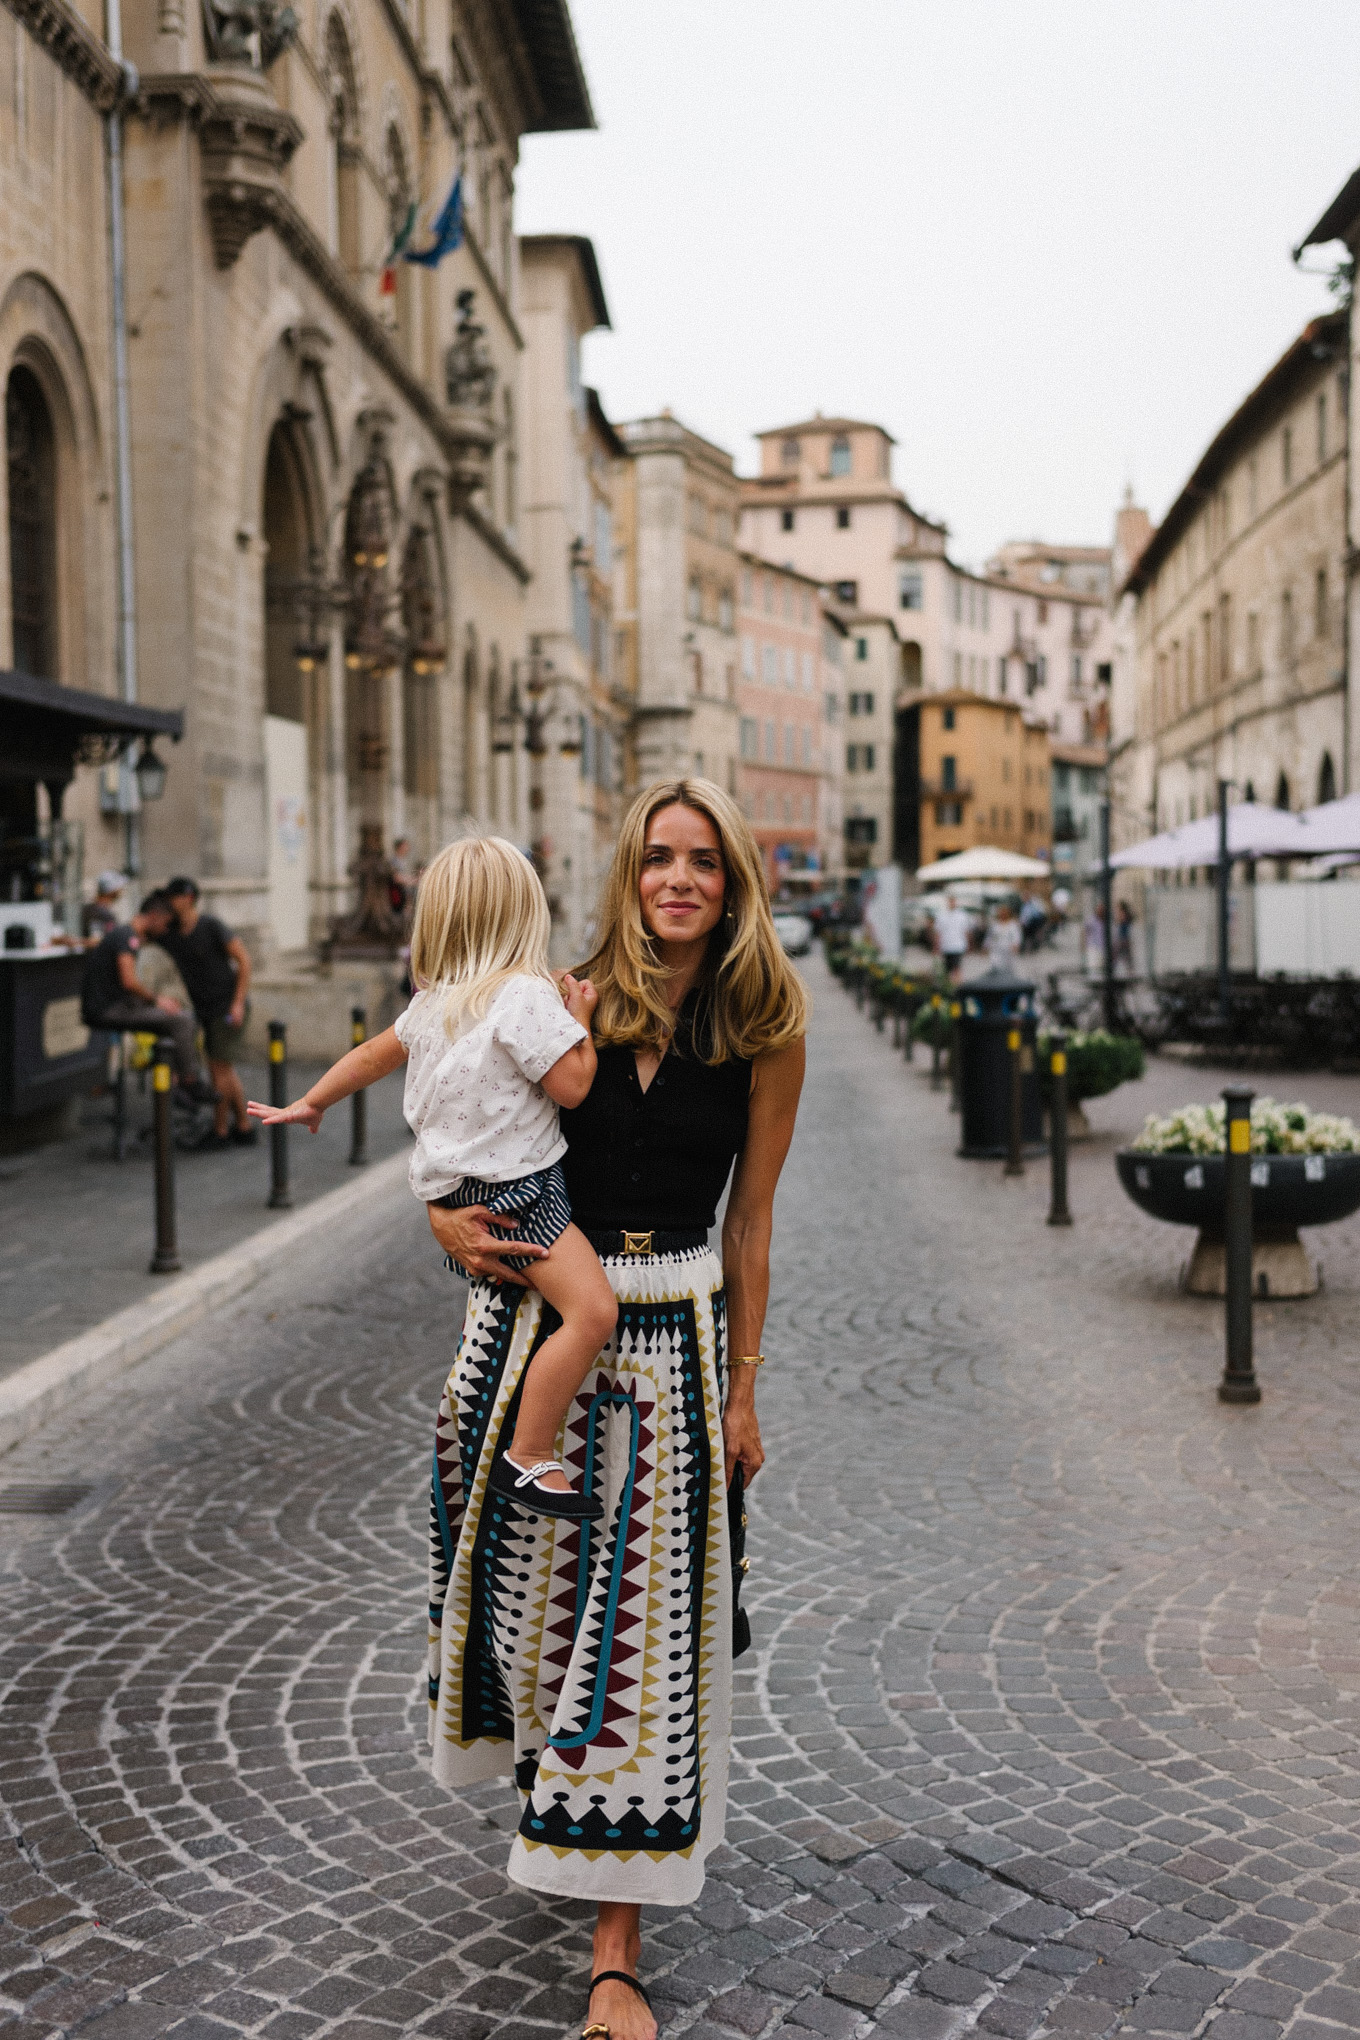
<point>252,32</point>
<point>73,47</point>
<point>375,928</point>
<point>469,372</point>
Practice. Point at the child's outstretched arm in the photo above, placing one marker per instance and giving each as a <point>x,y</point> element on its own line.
<point>572,1075</point>
<point>354,1072</point>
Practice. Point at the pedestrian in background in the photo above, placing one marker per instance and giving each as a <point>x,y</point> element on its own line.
<point>1123,937</point>
<point>113,999</point>
<point>215,967</point>
<point>100,916</point>
<point>951,936</point>
<point>1003,938</point>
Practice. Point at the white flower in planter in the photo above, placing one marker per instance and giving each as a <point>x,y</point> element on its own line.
<point>1275,1130</point>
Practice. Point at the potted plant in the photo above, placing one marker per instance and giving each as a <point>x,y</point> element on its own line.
<point>1097,1062</point>
<point>1305,1171</point>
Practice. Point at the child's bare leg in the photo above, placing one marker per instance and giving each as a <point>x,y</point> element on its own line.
<point>573,1282</point>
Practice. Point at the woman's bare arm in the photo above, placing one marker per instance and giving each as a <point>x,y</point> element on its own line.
<point>777,1083</point>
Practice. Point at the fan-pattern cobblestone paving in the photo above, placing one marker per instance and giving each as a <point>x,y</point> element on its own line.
<point>1050,1726</point>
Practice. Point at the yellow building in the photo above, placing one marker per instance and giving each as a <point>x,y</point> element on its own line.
<point>970,771</point>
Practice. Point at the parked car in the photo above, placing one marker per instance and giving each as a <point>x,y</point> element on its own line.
<point>795,932</point>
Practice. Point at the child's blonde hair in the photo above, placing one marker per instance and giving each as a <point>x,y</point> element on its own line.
<point>481,917</point>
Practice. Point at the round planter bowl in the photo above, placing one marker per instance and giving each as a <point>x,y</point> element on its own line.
<point>1287,1191</point>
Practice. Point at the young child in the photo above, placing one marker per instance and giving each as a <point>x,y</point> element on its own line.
<point>492,1048</point>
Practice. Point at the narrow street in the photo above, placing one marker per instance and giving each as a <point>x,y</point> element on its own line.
<point>1051,1723</point>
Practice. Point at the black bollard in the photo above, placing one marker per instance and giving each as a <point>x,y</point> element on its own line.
<point>358,1104</point>
<point>280,1196</point>
<point>1015,1165</point>
<point>955,1095</point>
<point>165,1260</point>
<point>1058,1213</point>
<point>936,1008</point>
<point>909,1044</point>
<point>1239,1383</point>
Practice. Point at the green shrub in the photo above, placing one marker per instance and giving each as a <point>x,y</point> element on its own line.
<point>1097,1063</point>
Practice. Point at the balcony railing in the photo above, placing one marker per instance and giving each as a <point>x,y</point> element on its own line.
<point>946,789</point>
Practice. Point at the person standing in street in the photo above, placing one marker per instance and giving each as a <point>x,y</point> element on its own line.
<point>614,1723</point>
<point>113,999</point>
<point>1123,937</point>
<point>952,928</point>
<point>1003,938</point>
<point>215,967</point>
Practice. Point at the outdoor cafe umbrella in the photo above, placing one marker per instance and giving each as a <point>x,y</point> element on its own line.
<point>1335,825</point>
<point>983,862</point>
<point>1253,831</point>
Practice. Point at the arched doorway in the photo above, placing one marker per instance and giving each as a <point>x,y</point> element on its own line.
<point>290,662</point>
<point>1326,785</point>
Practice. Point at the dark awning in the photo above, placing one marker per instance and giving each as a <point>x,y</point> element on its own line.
<point>43,727</point>
<point>81,714</point>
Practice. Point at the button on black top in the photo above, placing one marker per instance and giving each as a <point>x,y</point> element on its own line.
<point>658,1158</point>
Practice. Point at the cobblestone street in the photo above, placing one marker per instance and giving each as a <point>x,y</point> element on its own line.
<point>1050,1726</point>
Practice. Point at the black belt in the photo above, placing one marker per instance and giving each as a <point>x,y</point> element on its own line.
<point>642,1242</point>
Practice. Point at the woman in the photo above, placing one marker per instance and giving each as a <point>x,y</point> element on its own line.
<point>595,1662</point>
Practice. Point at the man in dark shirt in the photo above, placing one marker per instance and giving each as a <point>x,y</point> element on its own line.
<point>215,967</point>
<point>100,917</point>
<point>113,998</point>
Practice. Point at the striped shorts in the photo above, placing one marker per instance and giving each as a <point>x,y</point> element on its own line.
<point>539,1205</point>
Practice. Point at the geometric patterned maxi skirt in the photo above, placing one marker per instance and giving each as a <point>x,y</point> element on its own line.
<point>592,1662</point>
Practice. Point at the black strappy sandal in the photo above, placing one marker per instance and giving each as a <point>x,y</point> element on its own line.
<point>599,2031</point>
<point>522,1485</point>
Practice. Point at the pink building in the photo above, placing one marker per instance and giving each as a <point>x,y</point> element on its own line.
<point>789,695</point>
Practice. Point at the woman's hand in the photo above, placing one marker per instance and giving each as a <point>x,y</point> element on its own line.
<point>300,1114</point>
<point>741,1440</point>
<point>465,1232</point>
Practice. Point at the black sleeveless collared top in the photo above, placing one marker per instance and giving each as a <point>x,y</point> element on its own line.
<point>658,1158</point>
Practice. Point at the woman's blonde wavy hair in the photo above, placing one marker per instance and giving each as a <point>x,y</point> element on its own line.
<point>481,917</point>
<point>754,1000</point>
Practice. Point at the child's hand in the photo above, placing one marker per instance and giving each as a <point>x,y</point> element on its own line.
<point>301,1114</point>
<point>580,998</point>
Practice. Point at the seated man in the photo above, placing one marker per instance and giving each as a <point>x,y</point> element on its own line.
<point>215,967</point>
<point>114,999</point>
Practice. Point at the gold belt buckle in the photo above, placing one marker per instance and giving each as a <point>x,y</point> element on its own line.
<point>637,1243</point>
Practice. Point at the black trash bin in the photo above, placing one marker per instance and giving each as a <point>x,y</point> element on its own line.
<point>993,1006</point>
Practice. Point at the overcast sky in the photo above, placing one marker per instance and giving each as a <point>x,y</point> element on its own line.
<point>1047,244</point>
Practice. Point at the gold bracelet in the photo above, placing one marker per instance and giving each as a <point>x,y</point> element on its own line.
<point>747,1360</point>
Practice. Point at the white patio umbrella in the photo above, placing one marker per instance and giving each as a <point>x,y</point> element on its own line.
<point>983,862</point>
<point>1253,831</point>
<point>1335,825</point>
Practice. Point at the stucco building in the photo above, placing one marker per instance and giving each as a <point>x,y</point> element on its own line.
<point>1237,609</point>
<point>1032,627</point>
<point>791,703</point>
<point>326,446</point>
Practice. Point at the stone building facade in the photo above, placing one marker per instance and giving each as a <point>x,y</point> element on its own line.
<point>326,446</point>
<point>791,699</point>
<point>675,602</point>
<point>1237,610</point>
<point>57,516</point>
<point>580,715</point>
